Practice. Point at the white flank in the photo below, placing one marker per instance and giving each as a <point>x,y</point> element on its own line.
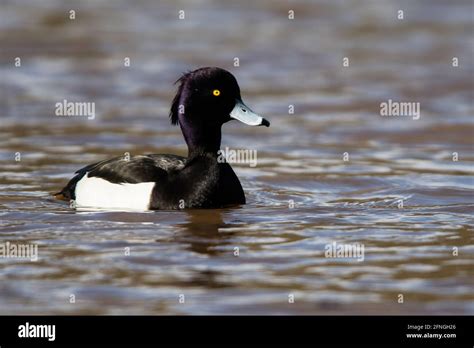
<point>99,193</point>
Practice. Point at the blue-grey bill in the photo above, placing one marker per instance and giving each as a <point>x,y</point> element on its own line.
<point>245,115</point>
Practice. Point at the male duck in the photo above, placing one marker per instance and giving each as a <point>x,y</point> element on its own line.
<point>206,99</point>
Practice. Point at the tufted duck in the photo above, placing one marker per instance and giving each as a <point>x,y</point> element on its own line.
<point>206,99</point>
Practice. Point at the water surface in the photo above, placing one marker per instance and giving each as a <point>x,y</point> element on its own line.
<point>301,196</point>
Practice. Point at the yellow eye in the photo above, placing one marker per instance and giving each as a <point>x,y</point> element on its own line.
<point>216,92</point>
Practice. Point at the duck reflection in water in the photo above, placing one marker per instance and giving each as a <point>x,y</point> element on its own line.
<point>203,232</point>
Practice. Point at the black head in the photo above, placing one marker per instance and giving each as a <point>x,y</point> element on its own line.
<point>206,99</point>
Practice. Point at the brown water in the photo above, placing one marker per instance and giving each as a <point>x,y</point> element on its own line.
<point>408,250</point>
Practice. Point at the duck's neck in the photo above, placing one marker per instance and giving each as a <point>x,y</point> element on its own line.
<point>201,139</point>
